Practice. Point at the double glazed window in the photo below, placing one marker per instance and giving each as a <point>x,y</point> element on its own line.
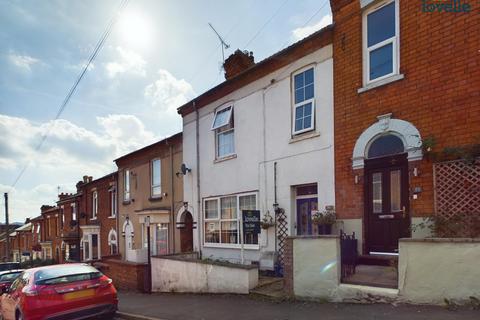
<point>156,170</point>
<point>222,219</point>
<point>113,202</point>
<point>91,248</point>
<point>381,45</point>
<point>158,238</point>
<point>304,101</point>
<point>223,126</point>
<point>126,185</point>
<point>94,204</point>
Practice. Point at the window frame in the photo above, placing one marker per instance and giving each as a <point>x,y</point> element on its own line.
<point>126,185</point>
<point>94,205</point>
<point>87,241</point>
<point>304,102</point>
<point>228,127</point>
<point>219,110</point>
<point>113,203</point>
<point>152,183</point>
<point>219,220</point>
<point>395,41</point>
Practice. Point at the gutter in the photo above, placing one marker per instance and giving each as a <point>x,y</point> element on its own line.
<point>200,224</point>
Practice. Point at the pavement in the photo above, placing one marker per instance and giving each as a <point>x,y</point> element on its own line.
<point>206,306</point>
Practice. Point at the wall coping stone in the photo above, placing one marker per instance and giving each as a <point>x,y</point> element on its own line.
<point>324,236</point>
<point>442,240</point>
<point>210,262</point>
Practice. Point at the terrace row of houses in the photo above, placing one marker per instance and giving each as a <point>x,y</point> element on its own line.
<point>348,118</point>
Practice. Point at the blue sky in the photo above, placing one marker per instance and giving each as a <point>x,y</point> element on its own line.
<point>159,55</point>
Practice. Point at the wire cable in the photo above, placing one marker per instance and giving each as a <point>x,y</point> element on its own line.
<point>72,90</point>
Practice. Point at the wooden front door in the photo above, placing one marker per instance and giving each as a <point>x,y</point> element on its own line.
<point>386,203</point>
<point>186,234</point>
<point>304,215</point>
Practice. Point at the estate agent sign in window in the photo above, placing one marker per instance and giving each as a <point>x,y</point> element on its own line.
<point>222,219</point>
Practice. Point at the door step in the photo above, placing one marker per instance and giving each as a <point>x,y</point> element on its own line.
<point>269,287</point>
<point>378,260</point>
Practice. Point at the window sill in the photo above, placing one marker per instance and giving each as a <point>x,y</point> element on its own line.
<point>304,136</point>
<point>112,217</point>
<point>126,202</point>
<point>155,198</point>
<point>381,83</point>
<point>232,246</point>
<point>232,156</point>
<point>93,219</point>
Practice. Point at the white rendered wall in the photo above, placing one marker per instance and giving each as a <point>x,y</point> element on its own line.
<point>263,135</point>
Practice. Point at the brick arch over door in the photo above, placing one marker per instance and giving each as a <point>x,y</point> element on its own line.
<point>386,125</point>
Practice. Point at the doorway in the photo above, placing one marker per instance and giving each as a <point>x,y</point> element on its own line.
<point>128,229</point>
<point>306,203</point>
<point>386,203</point>
<point>186,233</point>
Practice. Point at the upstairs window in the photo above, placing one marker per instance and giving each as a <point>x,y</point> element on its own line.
<point>126,185</point>
<point>304,101</point>
<point>113,202</point>
<point>74,212</point>
<point>223,125</point>
<point>156,170</point>
<point>380,37</point>
<point>94,204</point>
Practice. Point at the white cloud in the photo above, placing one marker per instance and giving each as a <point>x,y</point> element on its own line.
<point>167,93</point>
<point>127,62</point>
<point>69,152</point>
<point>24,62</point>
<point>303,32</point>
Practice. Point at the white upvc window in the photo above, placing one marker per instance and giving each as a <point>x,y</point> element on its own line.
<point>156,178</point>
<point>74,212</point>
<point>113,203</point>
<point>94,204</point>
<point>223,125</point>
<point>126,185</point>
<point>303,100</point>
<point>222,216</point>
<point>381,45</point>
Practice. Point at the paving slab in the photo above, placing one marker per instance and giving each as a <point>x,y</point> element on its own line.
<point>225,307</point>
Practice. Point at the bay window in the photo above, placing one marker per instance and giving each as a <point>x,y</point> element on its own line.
<point>222,216</point>
<point>381,41</point>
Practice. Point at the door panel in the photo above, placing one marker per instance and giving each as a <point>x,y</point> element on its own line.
<point>386,203</point>
<point>304,215</point>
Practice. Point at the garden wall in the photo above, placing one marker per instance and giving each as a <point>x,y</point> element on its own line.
<point>186,274</point>
<point>434,269</point>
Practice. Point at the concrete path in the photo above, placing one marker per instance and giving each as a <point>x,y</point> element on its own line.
<point>225,307</point>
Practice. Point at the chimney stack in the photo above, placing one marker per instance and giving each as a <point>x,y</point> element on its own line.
<point>238,62</point>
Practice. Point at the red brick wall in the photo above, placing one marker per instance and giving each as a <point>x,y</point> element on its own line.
<point>103,219</point>
<point>439,95</point>
<point>288,267</point>
<point>125,275</point>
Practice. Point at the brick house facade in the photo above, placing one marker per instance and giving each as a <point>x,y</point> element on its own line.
<point>97,203</point>
<point>431,91</point>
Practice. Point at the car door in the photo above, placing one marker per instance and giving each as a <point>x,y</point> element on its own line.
<point>9,299</point>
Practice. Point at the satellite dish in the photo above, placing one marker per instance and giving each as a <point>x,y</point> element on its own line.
<point>184,169</point>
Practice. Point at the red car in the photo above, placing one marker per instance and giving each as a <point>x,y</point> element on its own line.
<point>7,278</point>
<point>66,291</point>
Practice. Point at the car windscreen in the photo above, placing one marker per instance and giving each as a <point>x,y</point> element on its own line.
<point>9,276</point>
<point>66,274</point>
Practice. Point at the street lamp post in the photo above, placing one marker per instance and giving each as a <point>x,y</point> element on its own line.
<point>149,261</point>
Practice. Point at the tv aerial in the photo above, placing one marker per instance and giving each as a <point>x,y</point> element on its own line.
<point>222,42</point>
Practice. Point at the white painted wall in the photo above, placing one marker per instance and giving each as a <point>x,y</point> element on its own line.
<point>263,125</point>
<point>431,270</point>
<point>316,267</point>
<point>191,276</point>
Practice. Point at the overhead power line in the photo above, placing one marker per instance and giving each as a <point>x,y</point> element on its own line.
<point>72,90</point>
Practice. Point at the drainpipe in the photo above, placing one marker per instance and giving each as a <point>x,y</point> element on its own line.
<point>200,224</point>
<point>172,192</point>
